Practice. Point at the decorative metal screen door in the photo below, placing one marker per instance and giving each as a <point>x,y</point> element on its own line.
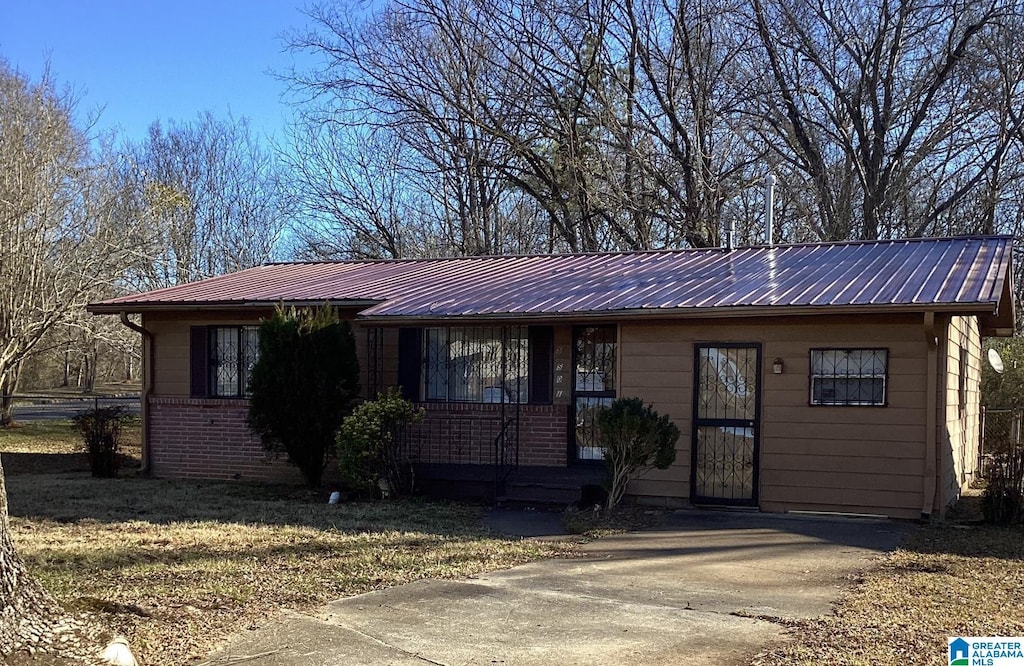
<point>726,424</point>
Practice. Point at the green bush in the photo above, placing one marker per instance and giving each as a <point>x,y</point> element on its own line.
<point>303,384</point>
<point>101,431</point>
<point>634,438</point>
<point>1003,501</point>
<point>373,449</point>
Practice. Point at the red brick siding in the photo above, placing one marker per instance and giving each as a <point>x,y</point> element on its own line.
<point>465,433</point>
<point>208,439</point>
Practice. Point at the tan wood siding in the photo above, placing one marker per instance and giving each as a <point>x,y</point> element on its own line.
<point>959,434</point>
<point>854,459</point>
<point>172,356</point>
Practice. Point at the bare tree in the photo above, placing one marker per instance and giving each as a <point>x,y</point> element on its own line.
<point>57,243</point>
<point>352,197</point>
<point>614,123</point>
<point>212,198</point>
<point>407,83</point>
<point>28,614</point>
<point>647,123</point>
<point>682,80</point>
<point>878,106</point>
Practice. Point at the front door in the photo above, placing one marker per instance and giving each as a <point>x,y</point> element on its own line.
<point>726,424</point>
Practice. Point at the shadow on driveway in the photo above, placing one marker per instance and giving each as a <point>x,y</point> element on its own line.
<point>702,588</point>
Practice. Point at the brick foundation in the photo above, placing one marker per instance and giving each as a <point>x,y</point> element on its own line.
<point>209,439</point>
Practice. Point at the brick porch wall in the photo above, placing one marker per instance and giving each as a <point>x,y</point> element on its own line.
<point>208,439</point>
<point>465,433</point>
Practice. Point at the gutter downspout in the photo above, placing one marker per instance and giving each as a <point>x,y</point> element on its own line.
<point>147,385</point>
<point>931,416</point>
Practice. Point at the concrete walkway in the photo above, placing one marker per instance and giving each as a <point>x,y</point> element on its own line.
<point>705,587</point>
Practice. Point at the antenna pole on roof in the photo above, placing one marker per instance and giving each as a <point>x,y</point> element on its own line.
<point>769,207</point>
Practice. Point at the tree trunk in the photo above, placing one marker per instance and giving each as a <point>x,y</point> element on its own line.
<point>30,619</point>
<point>66,379</point>
<point>8,387</point>
<point>90,360</point>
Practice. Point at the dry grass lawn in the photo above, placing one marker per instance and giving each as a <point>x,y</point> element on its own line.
<point>179,566</point>
<point>947,580</point>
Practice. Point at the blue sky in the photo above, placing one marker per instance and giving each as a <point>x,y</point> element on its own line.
<point>143,61</point>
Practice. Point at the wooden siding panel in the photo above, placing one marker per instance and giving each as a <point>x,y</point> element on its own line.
<point>959,436</point>
<point>859,459</point>
<point>841,479</point>
<point>866,464</point>
<point>854,500</point>
<point>869,433</point>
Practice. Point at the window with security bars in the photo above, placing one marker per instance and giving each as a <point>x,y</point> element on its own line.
<point>849,376</point>
<point>476,364</point>
<point>233,353</point>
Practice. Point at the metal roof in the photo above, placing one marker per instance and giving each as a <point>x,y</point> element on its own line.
<point>949,274</point>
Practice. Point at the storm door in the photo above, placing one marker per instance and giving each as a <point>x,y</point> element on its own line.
<point>594,352</point>
<point>726,424</point>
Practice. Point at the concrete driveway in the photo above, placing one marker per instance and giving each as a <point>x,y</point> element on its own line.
<point>705,587</point>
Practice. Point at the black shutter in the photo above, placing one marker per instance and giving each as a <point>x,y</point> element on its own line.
<point>199,352</point>
<point>542,339</point>
<point>410,357</point>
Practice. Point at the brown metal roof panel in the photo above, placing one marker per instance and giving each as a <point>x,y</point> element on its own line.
<point>873,274</point>
<point>998,271</point>
<point>905,272</point>
<point>792,278</point>
<point>961,279</point>
<point>984,276</point>
<point>882,273</point>
<point>744,280</point>
<point>950,278</point>
<point>849,272</point>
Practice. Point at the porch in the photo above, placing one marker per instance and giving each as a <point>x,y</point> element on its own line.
<point>502,452</point>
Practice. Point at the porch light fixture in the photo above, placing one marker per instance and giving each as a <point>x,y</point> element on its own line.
<point>777,366</point>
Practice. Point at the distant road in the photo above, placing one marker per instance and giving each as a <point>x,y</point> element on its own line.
<point>62,408</point>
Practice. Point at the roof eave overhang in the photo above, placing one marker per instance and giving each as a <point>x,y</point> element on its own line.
<point>981,309</point>
<point>186,306</point>
<point>1002,321</point>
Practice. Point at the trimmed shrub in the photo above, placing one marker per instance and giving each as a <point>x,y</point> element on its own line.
<point>373,449</point>
<point>101,431</point>
<point>634,438</point>
<point>303,384</point>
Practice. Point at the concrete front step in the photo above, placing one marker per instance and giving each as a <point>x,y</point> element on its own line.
<point>551,487</point>
<point>549,494</point>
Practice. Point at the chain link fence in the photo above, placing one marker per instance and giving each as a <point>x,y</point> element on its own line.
<point>1000,436</point>
<point>33,407</point>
